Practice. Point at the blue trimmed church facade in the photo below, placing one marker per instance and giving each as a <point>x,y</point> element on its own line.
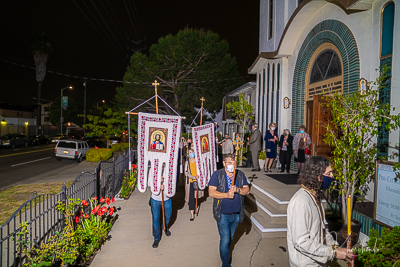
<point>311,48</point>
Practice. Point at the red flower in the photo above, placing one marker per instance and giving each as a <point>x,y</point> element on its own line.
<point>95,198</point>
<point>81,213</point>
<point>77,219</point>
<point>84,203</point>
<point>100,213</point>
<point>108,201</point>
<point>104,209</point>
<point>101,200</point>
<point>94,211</point>
<point>134,166</point>
<point>112,200</point>
<point>86,216</point>
<point>111,210</point>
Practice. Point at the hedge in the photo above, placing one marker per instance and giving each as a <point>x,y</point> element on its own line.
<point>95,155</point>
<point>119,147</point>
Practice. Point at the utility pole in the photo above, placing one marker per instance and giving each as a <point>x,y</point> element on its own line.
<point>84,104</point>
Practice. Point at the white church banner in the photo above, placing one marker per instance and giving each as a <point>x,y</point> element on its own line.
<point>204,146</point>
<point>158,147</point>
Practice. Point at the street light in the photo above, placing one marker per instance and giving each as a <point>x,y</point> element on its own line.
<point>61,117</point>
<point>99,102</point>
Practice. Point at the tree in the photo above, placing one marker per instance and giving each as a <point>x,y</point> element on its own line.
<point>41,46</point>
<point>352,135</point>
<point>189,65</point>
<point>111,123</point>
<point>71,115</point>
<point>242,111</point>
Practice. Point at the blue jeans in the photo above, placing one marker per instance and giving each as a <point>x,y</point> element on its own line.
<point>226,228</point>
<point>156,209</point>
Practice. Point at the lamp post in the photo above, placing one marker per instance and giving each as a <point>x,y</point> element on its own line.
<point>61,117</point>
<point>99,102</point>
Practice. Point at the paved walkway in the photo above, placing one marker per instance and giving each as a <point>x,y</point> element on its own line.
<point>193,243</point>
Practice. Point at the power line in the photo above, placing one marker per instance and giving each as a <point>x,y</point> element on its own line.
<point>129,14</point>
<point>137,15</point>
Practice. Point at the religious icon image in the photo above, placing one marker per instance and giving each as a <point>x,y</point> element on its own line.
<point>157,139</point>
<point>204,144</point>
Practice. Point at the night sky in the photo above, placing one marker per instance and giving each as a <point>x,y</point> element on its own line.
<point>90,40</point>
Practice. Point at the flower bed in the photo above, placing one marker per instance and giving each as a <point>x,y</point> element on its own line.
<point>128,183</point>
<point>87,225</point>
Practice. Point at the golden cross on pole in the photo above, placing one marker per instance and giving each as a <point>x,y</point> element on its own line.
<point>201,112</point>
<point>155,85</point>
<point>237,143</point>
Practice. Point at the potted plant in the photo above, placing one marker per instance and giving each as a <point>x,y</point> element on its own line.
<point>352,134</point>
<point>261,158</point>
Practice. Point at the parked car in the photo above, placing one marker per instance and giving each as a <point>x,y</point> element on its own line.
<point>96,144</point>
<point>71,149</point>
<point>14,140</point>
<point>74,136</point>
<point>57,137</point>
<point>114,140</point>
<point>35,140</point>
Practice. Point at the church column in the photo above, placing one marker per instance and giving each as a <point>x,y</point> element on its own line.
<point>286,114</point>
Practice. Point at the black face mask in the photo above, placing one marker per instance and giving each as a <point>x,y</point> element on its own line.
<point>327,182</point>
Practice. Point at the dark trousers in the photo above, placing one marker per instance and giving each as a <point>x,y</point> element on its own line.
<point>285,160</point>
<point>192,200</point>
<point>254,157</point>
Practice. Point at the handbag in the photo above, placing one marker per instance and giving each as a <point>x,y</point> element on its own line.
<point>307,151</point>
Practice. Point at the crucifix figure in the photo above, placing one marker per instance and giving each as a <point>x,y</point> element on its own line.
<point>238,144</point>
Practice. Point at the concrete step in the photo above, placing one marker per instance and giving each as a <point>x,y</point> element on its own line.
<point>263,227</point>
<point>260,205</point>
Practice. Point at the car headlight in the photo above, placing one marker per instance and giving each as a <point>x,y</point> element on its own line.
<point>7,142</point>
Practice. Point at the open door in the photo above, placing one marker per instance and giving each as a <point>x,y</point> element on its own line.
<point>321,115</point>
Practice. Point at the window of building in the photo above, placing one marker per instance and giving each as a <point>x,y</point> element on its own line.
<point>46,119</point>
<point>270,18</point>
<point>272,92</point>
<point>326,66</point>
<point>277,91</point>
<point>387,29</point>
<point>46,109</point>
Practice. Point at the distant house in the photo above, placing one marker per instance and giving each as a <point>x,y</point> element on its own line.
<point>229,125</point>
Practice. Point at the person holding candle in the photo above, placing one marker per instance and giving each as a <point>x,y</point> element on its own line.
<point>309,241</point>
<point>301,142</point>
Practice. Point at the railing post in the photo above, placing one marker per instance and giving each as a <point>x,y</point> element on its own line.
<point>64,200</point>
<point>113,178</point>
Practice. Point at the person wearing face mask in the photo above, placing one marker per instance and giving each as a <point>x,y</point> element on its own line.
<point>301,141</point>
<point>271,138</point>
<point>255,146</point>
<point>308,238</point>
<point>191,183</point>
<point>228,205</point>
<point>286,150</point>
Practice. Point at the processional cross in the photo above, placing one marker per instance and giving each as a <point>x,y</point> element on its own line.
<point>155,85</point>
<point>238,144</point>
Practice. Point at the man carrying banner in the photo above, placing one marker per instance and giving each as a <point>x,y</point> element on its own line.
<point>156,205</point>
<point>228,187</point>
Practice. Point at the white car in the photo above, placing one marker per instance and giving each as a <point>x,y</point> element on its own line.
<point>71,149</point>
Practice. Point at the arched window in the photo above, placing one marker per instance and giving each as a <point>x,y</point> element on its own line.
<point>326,66</point>
<point>387,29</point>
<point>278,72</point>
<point>272,92</point>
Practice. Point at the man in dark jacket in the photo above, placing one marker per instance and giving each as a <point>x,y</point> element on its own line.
<point>228,206</point>
<point>255,146</point>
<point>286,150</point>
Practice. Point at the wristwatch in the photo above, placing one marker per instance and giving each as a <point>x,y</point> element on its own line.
<point>238,190</point>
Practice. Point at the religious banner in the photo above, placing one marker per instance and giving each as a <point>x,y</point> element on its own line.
<point>204,149</point>
<point>158,147</point>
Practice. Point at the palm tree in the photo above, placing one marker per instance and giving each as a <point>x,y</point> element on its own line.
<point>41,46</point>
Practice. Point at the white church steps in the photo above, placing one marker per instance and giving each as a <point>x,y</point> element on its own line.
<point>261,225</point>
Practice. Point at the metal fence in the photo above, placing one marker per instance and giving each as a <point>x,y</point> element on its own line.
<point>41,211</point>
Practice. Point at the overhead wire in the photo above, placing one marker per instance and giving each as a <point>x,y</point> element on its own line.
<point>112,21</point>
<point>134,16</point>
<point>137,15</point>
<point>130,18</point>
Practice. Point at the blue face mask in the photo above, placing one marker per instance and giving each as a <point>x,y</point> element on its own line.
<point>327,182</point>
<point>301,131</point>
<point>191,155</point>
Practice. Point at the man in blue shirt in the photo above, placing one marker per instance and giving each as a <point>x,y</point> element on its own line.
<point>228,206</point>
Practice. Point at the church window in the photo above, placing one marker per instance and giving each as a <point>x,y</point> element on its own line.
<point>277,91</point>
<point>387,29</point>
<point>270,18</point>
<point>272,92</point>
<point>326,66</point>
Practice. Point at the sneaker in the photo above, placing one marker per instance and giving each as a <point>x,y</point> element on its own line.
<point>155,244</point>
<point>167,232</point>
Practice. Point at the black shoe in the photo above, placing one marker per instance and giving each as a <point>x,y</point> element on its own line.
<point>192,219</point>
<point>255,170</point>
<point>167,232</point>
<point>155,244</point>
<point>298,172</point>
<point>282,171</point>
<point>288,171</point>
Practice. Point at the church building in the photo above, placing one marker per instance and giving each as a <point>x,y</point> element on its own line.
<point>310,48</point>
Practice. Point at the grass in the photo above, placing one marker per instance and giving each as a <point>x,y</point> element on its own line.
<point>15,196</point>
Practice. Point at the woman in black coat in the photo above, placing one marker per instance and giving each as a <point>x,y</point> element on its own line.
<point>286,150</point>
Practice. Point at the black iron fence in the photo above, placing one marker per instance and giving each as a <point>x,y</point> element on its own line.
<point>41,210</point>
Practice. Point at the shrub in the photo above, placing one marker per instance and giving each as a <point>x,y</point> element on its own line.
<point>381,251</point>
<point>262,155</point>
<point>95,155</point>
<point>128,183</point>
<point>119,147</point>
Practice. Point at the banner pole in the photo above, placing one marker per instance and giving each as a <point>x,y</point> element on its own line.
<point>162,191</point>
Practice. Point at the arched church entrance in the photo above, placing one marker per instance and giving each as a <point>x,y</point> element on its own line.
<point>324,78</point>
<point>327,62</point>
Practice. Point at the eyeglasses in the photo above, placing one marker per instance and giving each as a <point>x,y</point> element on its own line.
<point>230,162</point>
<point>330,174</point>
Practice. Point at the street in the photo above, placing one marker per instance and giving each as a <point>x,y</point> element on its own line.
<point>23,163</point>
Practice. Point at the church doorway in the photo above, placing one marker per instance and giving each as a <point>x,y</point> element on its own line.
<point>324,78</point>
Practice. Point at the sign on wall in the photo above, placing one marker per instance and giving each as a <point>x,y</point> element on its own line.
<point>387,195</point>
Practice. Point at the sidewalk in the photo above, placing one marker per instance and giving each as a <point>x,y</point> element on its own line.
<point>191,243</point>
